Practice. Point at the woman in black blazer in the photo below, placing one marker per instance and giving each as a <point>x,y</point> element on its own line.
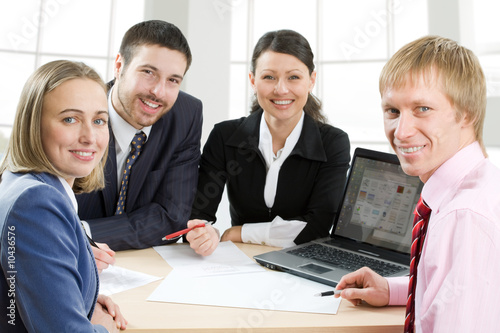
<point>283,166</point>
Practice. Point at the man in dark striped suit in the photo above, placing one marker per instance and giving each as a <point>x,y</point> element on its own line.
<point>145,99</point>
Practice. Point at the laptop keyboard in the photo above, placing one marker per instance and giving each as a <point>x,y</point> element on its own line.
<point>344,259</point>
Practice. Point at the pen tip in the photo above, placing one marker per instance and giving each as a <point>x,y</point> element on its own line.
<point>317,295</point>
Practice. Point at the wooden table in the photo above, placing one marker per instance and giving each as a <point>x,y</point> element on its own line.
<point>144,316</point>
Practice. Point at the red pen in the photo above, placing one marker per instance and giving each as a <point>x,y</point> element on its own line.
<point>183,231</point>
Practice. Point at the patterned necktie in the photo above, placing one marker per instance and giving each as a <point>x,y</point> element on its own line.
<point>420,222</point>
<point>137,144</point>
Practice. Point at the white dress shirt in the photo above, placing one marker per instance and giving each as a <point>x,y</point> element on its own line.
<point>123,133</point>
<point>278,232</point>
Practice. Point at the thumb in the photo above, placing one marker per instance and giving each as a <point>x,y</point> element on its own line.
<point>354,293</point>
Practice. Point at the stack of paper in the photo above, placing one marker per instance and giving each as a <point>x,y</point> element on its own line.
<point>230,278</point>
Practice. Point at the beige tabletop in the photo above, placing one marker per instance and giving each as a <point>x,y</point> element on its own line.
<point>145,316</point>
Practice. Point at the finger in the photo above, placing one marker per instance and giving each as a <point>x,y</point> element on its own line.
<point>120,320</point>
<point>105,247</point>
<point>192,223</point>
<point>352,280</point>
<point>107,303</point>
<point>103,255</point>
<point>356,294</point>
<point>101,265</point>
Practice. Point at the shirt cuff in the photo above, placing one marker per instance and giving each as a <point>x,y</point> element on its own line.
<point>255,233</point>
<point>398,290</point>
<point>86,227</point>
<point>279,232</point>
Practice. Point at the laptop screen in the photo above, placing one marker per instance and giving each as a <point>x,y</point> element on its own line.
<point>379,201</point>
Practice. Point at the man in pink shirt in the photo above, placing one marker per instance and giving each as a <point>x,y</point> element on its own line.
<point>434,102</point>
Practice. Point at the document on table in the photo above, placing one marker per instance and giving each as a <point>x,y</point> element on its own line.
<point>259,290</point>
<point>226,259</point>
<point>230,278</point>
<point>115,279</point>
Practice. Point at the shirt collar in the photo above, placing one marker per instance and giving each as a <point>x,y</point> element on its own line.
<point>266,139</point>
<point>70,193</point>
<point>122,131</point>
<point>444,181</point>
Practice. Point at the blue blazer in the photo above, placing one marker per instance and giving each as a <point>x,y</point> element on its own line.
<point>49,280</point>
<point>162,183</point>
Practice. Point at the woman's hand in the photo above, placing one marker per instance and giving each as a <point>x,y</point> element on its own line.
<point>203,240</point>
<point>108,314</point>
<point>232,234</point>
<point>104,256</point>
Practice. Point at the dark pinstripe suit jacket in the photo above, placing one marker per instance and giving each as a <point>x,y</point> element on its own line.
<point>162,183</point>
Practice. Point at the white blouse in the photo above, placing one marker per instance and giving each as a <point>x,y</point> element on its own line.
<point>278,232</point>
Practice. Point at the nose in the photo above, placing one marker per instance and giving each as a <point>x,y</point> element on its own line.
<point>405,126</point>
<point>87,134</point>
<point>281,87</point>
<point>158,89</point>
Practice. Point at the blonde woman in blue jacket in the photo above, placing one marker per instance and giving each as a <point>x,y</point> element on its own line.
<point>49,280</point>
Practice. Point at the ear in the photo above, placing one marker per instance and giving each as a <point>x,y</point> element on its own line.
<point>251,76</point>
<point>119,65</point>
<point>313,81</point>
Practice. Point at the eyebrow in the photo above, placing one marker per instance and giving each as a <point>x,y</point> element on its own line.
<point>80,111</point>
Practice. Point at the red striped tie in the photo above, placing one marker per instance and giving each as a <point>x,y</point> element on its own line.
<point>420,222</point>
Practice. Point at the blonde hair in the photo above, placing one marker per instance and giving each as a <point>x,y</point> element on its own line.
<point>25,152</point>
<point>462,78</point>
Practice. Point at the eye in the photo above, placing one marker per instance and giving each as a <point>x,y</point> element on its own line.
<point>423,108</point>
<point>267,77</point>
<point>294,77</point>
<point>100,122</point>
<point>147,71</point>
<point>176,81</point>
<point>69,120</point>
<point>391,112</point>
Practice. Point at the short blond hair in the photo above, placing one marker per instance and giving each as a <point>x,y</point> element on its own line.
<point>461,75</point>
<point>25,151</point>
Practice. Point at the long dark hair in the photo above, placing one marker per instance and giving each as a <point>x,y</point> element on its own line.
<point>292,43</point>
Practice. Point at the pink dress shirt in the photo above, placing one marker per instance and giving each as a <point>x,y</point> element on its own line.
<point>458,284</point>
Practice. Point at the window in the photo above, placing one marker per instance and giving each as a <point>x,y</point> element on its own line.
<point>351,42</point>
<point>35,32</point>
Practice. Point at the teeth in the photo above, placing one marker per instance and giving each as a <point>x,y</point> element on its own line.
<point>151,105</point>
<point>411,149</point>
<point>82,153</point>
<point>283,102</point>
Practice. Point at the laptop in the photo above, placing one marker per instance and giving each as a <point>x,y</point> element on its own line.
<point>372,228</point>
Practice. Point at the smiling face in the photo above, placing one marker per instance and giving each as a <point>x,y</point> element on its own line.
<point>148,86</point>
<point>74,127</point>
<point>420,123</point>
<point>282,84</point>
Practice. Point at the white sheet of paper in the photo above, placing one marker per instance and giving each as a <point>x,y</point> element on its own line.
<point>115,279</point>
<point>259,290</point>
<point>226,259</point>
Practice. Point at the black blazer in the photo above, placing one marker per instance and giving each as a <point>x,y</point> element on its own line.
<point>310,184</point>
<point>162,183</point>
